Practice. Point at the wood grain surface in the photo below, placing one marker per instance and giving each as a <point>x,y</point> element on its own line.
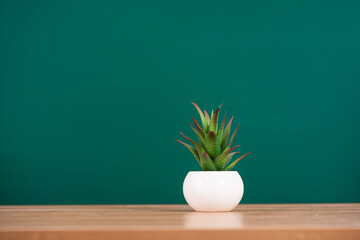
<point>256,221</point>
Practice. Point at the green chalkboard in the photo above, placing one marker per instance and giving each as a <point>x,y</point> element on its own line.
<point>93,93</point>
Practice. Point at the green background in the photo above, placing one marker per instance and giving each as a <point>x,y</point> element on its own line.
<point>93,93</point>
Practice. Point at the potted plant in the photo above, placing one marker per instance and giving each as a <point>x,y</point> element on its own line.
<point>216,187</point>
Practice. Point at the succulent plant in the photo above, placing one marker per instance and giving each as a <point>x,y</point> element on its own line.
<point>213,151</point>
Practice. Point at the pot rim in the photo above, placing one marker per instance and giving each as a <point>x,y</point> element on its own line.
<point>213,171</point>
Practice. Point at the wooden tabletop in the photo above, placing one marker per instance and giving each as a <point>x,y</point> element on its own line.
<point>257,221</point>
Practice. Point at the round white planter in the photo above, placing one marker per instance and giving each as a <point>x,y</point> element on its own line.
<point>213,191</point>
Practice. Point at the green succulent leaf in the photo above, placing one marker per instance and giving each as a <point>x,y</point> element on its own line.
<point>229,157</point>
<point>233,136</point>
<point>198,147</point>
<point>226,134</point>
<point>220,161</point>
<point>214,121</point>
<point>221,129</point>
<point>228,168</point>
<point>201,142</point>
<point>199,130</point>
<point>206,163</point>
<point>212,145</point>
<point>191,149</point>
<point>213,150</point>
<point>202,117</point>
<point>207,117</point>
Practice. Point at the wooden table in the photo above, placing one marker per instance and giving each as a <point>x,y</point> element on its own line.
<point>273,221</point>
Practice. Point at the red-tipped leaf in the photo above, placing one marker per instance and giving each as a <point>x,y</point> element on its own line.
<point>233,136</point>
<point>206,163</point>
<point>214,121</point>
<point>199,148</point>
<point>226,134</point>
<point>212,145</point>
<point>220,161</point>
<point>207,117</point>
<point>228,168</point>
<point>202,117</point>
<point>199,129</point>
<point>191,149</point>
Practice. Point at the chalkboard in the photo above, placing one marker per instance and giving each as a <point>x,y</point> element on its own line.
<point>93,93</point>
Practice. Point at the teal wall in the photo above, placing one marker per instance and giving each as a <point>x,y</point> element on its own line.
<point>93,93</point>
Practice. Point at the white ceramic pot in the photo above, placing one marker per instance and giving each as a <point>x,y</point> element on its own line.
<point>213,191</point>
